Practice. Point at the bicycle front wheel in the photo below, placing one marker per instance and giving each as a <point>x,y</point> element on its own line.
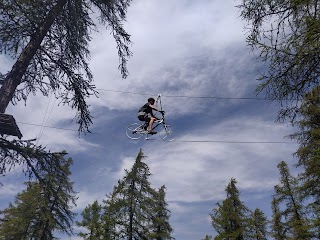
<point>166,132</point>
<point>134,131</point>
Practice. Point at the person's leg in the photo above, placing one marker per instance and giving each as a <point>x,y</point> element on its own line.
<point>145,119</point>
<point>152,119</point>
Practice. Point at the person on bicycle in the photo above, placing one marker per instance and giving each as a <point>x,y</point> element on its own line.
<point>145,114</point>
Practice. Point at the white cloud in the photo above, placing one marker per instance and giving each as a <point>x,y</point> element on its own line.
<point>190,48</point>
<point>178,49</point>
<point>86,197</point>
<point>200,171</point>
<point>9,190</point>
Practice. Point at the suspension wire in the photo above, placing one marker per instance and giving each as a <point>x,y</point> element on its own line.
<point>43,121</point>
<point>185,96</point>
<point>60,128</point>
<point>174,140</point>
<point>222,141</point>
<point>48,117</point>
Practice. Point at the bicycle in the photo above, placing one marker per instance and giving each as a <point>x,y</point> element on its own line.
<point>137,130</point>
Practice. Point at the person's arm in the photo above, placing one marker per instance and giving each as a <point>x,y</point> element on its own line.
<point>153,108</point>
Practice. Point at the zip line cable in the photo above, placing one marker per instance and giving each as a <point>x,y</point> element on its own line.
<point>223,141</point>
<point>43,121</point>
<point>169,96</point>
<point>174,141</point>
<point>185,96</point>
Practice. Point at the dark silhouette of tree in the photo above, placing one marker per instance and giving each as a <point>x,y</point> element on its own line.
<point>290,220</point>
<point>49,40</point>
<point>308,155</point>
<point>258,225</point>
<point>278,229</point>
<point>160,228</point>
<point>134,210</point>
<point>91,220</point>
<point>230,218</point>
<point>286,35</point>
<point>42,208</point>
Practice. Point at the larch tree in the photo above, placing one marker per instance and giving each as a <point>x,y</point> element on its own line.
<point>49,41</point>
<point>133,210</point>
<point>292,213</point>
<point>131,204</point>
<point>160,228</point>
<point>278,229</point>
<point>308,155</point>
<point>36,161</point>
<point>286,35</point>
<point>44,207</point>
<point>18,218</point>
<point>92,222</point>
<point>258,225</point>
<point>230,218</point>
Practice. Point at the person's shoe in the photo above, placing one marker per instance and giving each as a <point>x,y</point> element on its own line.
<point>150,131</point>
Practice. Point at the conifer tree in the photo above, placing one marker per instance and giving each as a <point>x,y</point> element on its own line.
<point>278,229</point>
<point>36,161</point>
<point>160,228</point>
<point>258,226</point>
<point>92,221</point>
<point>42,208</point>
<point>18,218</point>
<point>131,204</point>
<point>286,36</point>
<point>293,216</point>
<point>230,218</point>
<point>309,155</point>
<point>133,210</point>
<point>49,41</point>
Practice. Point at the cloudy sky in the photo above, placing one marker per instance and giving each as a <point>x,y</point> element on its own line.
<point>184,50</point>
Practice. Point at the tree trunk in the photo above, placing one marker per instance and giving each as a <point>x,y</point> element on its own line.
<point>131,209</point>
<point>13,79</point>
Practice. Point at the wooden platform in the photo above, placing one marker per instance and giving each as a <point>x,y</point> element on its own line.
<point>9,126</point>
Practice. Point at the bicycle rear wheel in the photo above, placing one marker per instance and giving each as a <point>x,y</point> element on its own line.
<point>165,133</point>
<point>134,131</point>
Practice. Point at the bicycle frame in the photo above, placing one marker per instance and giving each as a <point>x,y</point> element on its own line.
<point>136,130</point>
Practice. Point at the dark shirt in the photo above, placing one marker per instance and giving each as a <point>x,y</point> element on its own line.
<point>146,108</point>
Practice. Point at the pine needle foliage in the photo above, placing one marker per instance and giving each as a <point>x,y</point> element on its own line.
<point>279,231</point>
<point>286,35</point>
<point>308,154</point>
<point>49,40</point>
<point>289,214</point>
<point>34,159</point>
<point>134,210</point>
<point>160,228</point>
<point>41,209</point>
<point>258,225</point>
<point>230,218</point>
<point>92,222</point>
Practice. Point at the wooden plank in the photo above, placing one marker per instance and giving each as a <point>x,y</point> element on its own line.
<point>9,126</point>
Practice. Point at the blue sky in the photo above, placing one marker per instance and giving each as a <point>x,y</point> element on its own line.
<point>180,48</point>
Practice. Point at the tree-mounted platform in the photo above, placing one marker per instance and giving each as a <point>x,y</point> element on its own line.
<point>9,126</point>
